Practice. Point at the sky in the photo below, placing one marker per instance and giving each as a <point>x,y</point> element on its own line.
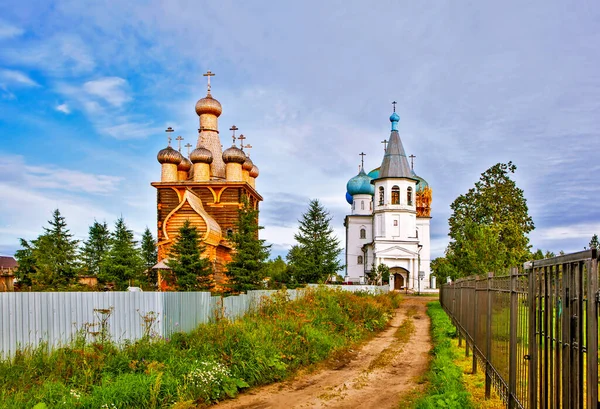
<point>88,88</point>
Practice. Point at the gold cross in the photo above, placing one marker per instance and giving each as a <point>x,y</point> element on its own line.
<point>384,142</point>
<point>208,74</point>
<point>241,138</point>
<point>412,163</point>
<point>362,160</point>
<point>188,145</point>
<point>168,131</point>
<point>179,139</point>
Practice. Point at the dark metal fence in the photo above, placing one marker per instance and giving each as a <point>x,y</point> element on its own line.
<point>534,332</point>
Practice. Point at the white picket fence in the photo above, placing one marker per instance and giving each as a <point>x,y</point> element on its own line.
<point>30,318</point>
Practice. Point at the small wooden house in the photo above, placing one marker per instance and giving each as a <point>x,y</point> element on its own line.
<point>8,265</point>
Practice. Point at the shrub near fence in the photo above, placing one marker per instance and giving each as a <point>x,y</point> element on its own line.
<point>533,332</point>
<point>28,319</point>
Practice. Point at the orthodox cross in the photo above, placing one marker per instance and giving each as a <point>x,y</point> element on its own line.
<point>168,131</point>
<point>233,128</point>
<point>393,103</point>
<point>188,145</point>
<point>248,146</point>
<point>208,74</point>
<point>412,161</point>
<point>384,142</point>
<point>179,139</point>
<point>241,138</point>
<point>362,160</point>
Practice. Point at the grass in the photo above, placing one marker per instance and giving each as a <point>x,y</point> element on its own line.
<point>445,387</point>
<point>211,363</point>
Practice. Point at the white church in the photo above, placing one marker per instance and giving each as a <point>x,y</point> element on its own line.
<point>389,221</point>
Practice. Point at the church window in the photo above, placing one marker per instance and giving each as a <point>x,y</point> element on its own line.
<point>395,222</point>
<point>362,205</point>
<point>395,195</point>
<point>363,234</point>
<point>381,195</point>
<point>409,196</point>
<point>229,233</point>
<point>360,260</point>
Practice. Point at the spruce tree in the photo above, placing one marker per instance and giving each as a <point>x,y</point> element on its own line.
<point>50,261</point>
<point>96,248</point>
<point>123,263</point>
<point>594,243</point>
<point>315,257</point>
<point>246,271</point>
<point>191,271</point>
<point>149,256</point>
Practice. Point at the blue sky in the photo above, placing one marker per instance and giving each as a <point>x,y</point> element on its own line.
<point>87,89</point>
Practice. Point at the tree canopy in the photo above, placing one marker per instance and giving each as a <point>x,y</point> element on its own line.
<point>149,255</point>
<point>488,226</point>
<point>316,256</point>
<point>123,265</point>
<point>50,261</point>
<point>96,248</point>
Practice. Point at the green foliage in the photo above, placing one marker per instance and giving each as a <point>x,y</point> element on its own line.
<point>445,389</point>
<point>594,243</point>
<point>96,248</point>
<point>246,271</point>
<point>540,255</point>
<point>489,225</point>
<point>192,272</point>
<point>279,274</point>
<point>50,261</point>
<point>123,264</point>
<point>149,255</point>
<point>316,256</point>
<point>211,363</point>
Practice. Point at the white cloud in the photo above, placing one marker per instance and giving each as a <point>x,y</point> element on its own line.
<point>17,77</point>
<point>59,55</point>
<point>8,30</point>
<point>110,89</point>
<point>64,108</point>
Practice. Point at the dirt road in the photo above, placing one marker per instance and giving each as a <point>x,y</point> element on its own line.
<point>376,376</point>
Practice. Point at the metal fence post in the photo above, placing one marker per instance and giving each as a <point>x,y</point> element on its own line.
<point>474,335</point>
<point>532,342</point>
<point>592,322</point>
<point>488,337</point>
<point>512,355</point>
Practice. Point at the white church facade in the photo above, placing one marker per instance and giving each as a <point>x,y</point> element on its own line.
<point>389,222</point>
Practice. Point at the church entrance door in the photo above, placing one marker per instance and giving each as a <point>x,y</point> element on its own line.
<point>398,281</point>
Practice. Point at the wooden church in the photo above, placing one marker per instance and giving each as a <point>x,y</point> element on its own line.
<point>206,187</point>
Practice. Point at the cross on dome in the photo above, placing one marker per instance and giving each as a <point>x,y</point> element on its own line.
<point>179,139</point>
<point>168,131</point>
<point>247,146</point>
<point>241,138</point>
<point>233,128</point>
<point>393,103</point>
<point>384,142</point>
<point>208,74</point>
<point>362,159</point>
<point>188,146</point>
<point>412,163</point>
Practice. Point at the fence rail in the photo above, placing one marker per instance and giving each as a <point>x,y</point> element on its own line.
<point>29,319</point>
<point>533,332</point>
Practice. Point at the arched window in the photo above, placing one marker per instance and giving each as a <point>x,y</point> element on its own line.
<point>359,260</point>
<point>395,195</point>
<point>409,196</point>
<point>363,234</point>
<point>381,195</point>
